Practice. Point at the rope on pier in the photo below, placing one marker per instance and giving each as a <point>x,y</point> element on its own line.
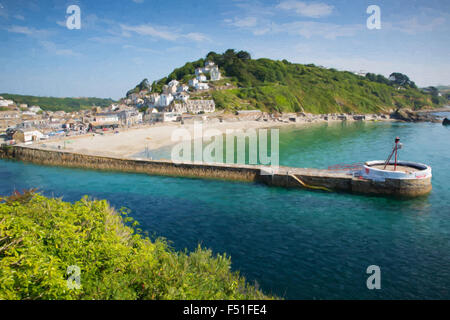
<point>308,186</point>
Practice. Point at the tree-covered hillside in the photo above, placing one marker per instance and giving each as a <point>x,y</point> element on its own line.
<point>282,86</point>
<point>55,104</point>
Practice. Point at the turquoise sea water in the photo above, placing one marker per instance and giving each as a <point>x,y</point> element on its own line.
<point>297,244</point>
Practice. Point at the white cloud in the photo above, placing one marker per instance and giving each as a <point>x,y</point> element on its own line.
<point>161,32</point>
<point>138,1</point>
<point>242,22</point>
<point>53,48</point>
<point>311,10</point>
<point>139,49</point>
<point>307,29</point>
<point>310,29</point>
<point>414,25</point>
<point>21,30</point>
<point>260,25</point>
<point>31,32</point>
<point>148,30</point>
<point>195,36</point>
<point>19,17</point>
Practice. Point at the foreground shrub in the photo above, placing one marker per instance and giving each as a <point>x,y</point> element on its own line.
<point>41,237</point>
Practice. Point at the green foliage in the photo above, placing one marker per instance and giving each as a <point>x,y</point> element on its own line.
<point>401,79</point>
<point>41,237</point>
<point>143,85</point>
<point>56,104</point>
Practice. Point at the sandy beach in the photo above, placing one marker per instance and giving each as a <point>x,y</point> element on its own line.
<point>129,142</point>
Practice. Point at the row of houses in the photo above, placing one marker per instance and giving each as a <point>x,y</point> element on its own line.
<point>23,124</point>
<point>176,96</point>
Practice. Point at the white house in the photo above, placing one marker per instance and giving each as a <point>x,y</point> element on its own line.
<point>194,106</point>
<point>130,117</point>
<point>107,117</point>
<point>202,86</point>
<point>173,86</point>
<point>164,116</point>
<point>147,117</point>
<point>165,100</point>
<point>198,71</point>
<point>182,96</point>
<point>154,99</point>
<point>28,136</point>
<point>183,88</point>
<point>35,109</point>
<point>173,83</point>
<point>209,64</point>
<point>28,113</point>
<point>193,82</point>
<point>5,103</point>
<point>201,77</point>
<point>215,73</point>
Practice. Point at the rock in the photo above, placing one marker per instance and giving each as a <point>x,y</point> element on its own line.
<point>407,115</point>
<point>402,114</point>
<point>411,116</point>
<point>446,122</point>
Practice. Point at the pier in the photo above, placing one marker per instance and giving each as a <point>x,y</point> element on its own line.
<point>289,177</point>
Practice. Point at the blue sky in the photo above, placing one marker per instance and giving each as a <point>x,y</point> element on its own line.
<point>122,42</point>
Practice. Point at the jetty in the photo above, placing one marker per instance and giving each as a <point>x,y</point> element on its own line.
<point>368,180</point>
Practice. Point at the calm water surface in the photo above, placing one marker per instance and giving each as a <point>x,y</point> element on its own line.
<point>296,244</point>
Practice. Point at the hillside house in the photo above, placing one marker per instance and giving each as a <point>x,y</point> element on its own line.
<point>153,100</point>
<point>165,100</point>
<point>182,96</point>
<point>215,73</point>
<point>201,78</point>
<point>6,103</point>
<point>209,64</point>
<point>173,84</point>
<point>34,109</point>
<point>193,82</point>
<point>183,88</point>
<point>198,71</point>
<point>202,86</point>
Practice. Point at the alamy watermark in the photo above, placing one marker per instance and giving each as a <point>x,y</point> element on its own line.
<point>374,21</point>
<point>74,279</point>
<point>73,21</point>
<point>230,147</point>
<point>374,280</point>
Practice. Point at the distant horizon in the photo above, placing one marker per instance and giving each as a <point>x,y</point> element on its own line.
<point>119,43</point>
